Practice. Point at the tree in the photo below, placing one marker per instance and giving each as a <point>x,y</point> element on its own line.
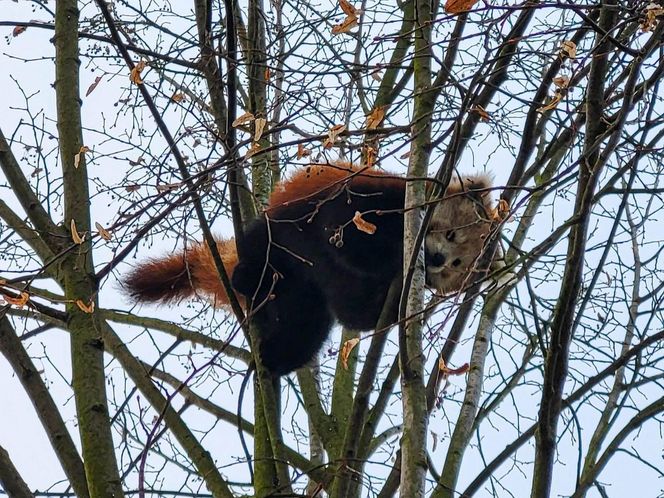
<point>166,119</point>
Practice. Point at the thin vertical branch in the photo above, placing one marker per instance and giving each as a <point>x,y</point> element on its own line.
<point>411,357</point>
<point>556,363</point>
<point>45,407</point>
<point>87,348</point>
<point>258,74</point>
<point>346,486</point>
<point>463,428</point>
<point>611,408</point>
<point>200,458</point>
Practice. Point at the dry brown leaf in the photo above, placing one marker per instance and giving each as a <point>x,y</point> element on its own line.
<point>651,11</point>
<point>74,233</point>
<point>363,225</point>
<point>302,151</point>
<point>349,23</point>
<point>247,117</point>
<point>135,75</point>
<point>370,155</point>
<point>452,371</point>
<point>103,233</point>
<point>92,87</point>
<point>348,8</point>
<point>20,301</point>
<point>434,444</point>
<point>85,308</point>
<point>551,104</point>
<point>18,30</point>
<point>132,188</point>
<point>561,81</point>
<point>459,6</point>
<point>178,97</point>
<point>346,349</point>
<point>503,208</point>
<point>259,126</point>
<point>267,74</point>
<point>253,150</point>
<point>81,152</point>
<point>568,49</point>
<point>332,135</point>
<point>165,187</point>
<point>481,112</point>
<point>501,211</point>
<point>375,117</point>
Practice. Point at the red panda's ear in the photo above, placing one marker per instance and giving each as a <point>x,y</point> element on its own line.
<point>476,182</point>
<point>477,188</point>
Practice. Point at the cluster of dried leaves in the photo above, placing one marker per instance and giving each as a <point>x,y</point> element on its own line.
<point>567,52</point>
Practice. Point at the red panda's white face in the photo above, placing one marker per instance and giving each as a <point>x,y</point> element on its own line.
<point>456,235</point>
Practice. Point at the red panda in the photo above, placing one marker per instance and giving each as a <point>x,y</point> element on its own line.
<point>305,263</point>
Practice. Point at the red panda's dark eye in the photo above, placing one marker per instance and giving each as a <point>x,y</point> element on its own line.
<point>450,235</point>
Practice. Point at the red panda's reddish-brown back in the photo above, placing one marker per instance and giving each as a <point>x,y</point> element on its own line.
<point>314,180</point>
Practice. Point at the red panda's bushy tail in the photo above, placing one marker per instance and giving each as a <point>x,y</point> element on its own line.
<point>182,275</point>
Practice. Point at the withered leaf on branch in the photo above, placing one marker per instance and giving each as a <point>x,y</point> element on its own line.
<point>332,135</point>
<point>247,117</point>
<point>92,87</point>
<point>348,8</point>
<point>259,126</point>
<point>434,438</point>
<point>459,6</point>
<point>177,97</point>
<point>253,150</point>
<point>501,211</point>
<point>482,113</point>
<point>369,154</point>
<point>81,152</point>
<point>552,104</point>
<point>652,11</point>
<point>561,81</point>
<point>302,151</point>
<point>85,308</point>
<point>349,23</point>
<point>18,30</point>
<point>165,187</point>
<point>135,75</point>
<point>20,301</point>
<point>74,233</point>
<point>346,349</point>
<point>103,233</point>
<point>363,225</point>
<point>351,20</point>
<point>568,49</point>
<point>375,117</point>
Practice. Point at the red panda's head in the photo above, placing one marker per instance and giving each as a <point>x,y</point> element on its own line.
<point>457,233</point>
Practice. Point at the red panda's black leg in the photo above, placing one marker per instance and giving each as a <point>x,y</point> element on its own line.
<point>288,306</point>
<point>293,325</point>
